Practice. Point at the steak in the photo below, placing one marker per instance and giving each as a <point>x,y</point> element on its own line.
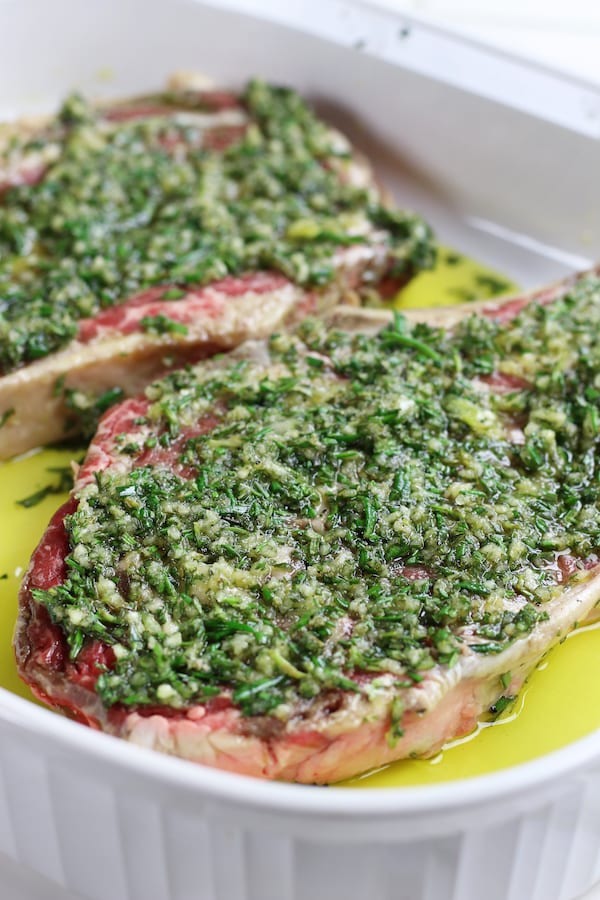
<point>137,237</point>
<point>333,549</point>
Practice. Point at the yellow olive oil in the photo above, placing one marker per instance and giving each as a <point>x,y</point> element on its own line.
<point>454,279</point>
<point>556,706</point>
<point>21,527</point>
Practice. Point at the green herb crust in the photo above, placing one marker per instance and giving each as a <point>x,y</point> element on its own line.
<point>129,204</point>
<point>363,504</point>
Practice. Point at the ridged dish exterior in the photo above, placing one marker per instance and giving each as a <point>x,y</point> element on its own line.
<point>108,832</point>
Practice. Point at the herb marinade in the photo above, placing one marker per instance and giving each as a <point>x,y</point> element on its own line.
<point>360,505</point>
<point>136,203</point>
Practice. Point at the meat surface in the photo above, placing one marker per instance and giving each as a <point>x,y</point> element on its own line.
<point>340,732</point>
<point>167,323</point>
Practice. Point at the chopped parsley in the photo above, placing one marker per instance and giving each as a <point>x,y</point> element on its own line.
<point>148,201</point>
<point>379,513</point>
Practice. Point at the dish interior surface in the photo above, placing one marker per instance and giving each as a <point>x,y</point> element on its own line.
<point>529,727</point>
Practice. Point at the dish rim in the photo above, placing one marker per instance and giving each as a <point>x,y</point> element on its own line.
<point>277,796</point>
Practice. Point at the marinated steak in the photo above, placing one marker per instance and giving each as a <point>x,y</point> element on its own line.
<point>137,237</point>
<point>332,549</point>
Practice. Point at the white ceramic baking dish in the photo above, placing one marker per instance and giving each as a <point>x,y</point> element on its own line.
<point>502,157</point>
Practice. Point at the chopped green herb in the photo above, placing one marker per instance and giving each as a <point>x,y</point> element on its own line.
<point>501,704</point>
<point>395,731</point>
<point>162,324</point>
<point>5,416</point>
<point>62,484</point>
<point>464,295</point>
<point>453,259</point>
<point>59,386</point>
<point>85,409</point>
<point>492,285</point>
